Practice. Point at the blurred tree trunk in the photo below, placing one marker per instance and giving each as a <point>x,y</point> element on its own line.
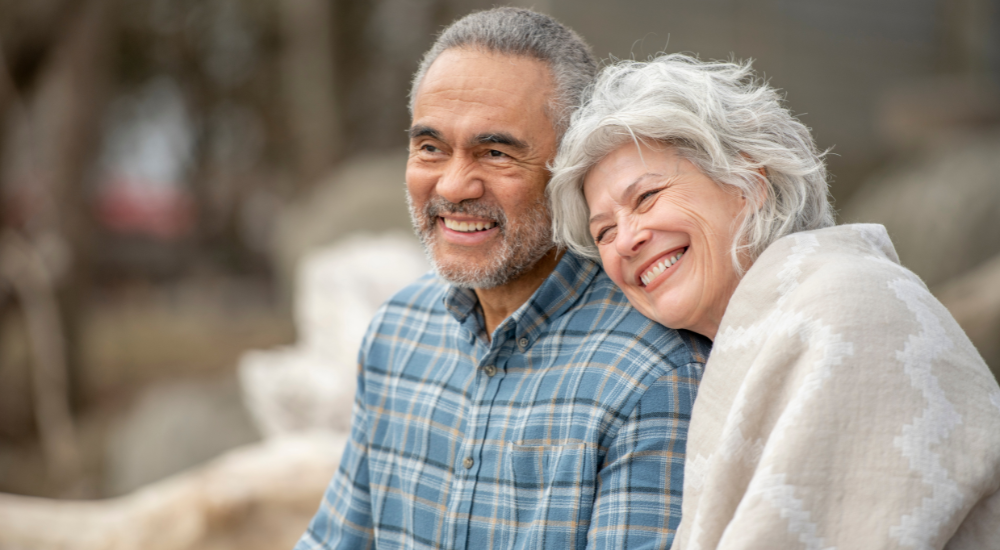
<point>23,269</point>
<point>29,33</point>
<point>67,109</point>
<point>307,67</point>
<point>56,75</point>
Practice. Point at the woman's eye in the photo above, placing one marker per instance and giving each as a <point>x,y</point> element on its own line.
<point>646,195</point>
<point>605,235</point>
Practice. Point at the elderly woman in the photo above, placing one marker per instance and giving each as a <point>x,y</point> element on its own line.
<point>842,406</point>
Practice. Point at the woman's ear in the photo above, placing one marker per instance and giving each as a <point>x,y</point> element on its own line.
<point>760,184</point>
<point>761,187</point>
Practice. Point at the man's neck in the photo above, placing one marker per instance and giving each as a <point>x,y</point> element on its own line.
<point>499,302</point>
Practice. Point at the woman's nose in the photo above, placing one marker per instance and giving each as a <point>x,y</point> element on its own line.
<point>460,180</point>
<point>630,240</point>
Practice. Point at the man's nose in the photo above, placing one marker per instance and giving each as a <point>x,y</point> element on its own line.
<point>630,239</point>
<point>460,180</point>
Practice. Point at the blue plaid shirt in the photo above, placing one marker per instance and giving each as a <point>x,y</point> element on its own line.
<point>565,430</point>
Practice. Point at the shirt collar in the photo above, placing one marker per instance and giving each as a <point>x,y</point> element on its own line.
<point>560,290</point>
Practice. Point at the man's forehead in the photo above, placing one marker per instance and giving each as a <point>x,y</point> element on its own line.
<point>466,77</point>
<point>482,96</point>
<point>463,62</point>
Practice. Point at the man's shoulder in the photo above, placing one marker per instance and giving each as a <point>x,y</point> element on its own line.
<point>604,313</point>
<point>422,295</point>
<point>411,306</point>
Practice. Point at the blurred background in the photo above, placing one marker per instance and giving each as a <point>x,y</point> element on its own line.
<point>166,166</point>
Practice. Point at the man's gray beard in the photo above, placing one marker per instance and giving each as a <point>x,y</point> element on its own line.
<point>522,243</point>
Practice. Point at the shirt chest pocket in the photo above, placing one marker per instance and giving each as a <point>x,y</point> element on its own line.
<point>552,494</point>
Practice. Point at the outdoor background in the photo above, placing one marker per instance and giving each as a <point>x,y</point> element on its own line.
<point>164,165</point>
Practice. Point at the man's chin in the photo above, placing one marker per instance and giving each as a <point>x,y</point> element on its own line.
<point>468,273</point>
<point>494,271</point>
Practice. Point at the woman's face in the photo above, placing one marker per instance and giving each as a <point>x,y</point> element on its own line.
<point>664,231</point>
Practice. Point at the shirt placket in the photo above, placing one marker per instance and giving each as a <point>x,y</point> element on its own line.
<point>486,386</point>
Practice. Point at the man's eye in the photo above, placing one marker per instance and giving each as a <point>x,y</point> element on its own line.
<point>429,148</point>
<point>496,154</point>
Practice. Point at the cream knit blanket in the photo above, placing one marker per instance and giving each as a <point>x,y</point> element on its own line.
<point>842,407</point>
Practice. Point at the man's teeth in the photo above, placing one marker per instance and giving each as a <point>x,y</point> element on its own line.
<point>467,226</point>
<point>660,267</point>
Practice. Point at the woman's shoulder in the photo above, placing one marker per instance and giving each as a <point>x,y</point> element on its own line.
<point>821,252</point>
<point>836,270</point>
<point>838,296</point>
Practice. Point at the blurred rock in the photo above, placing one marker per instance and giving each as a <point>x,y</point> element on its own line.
<point>172,427</point>
<point>933,109</point>
<point>366,193</point>
<point>974,300</point>
<point>191,328</point>
<point>339,289</point>
<point>254,498</point>
<point>941,208</point>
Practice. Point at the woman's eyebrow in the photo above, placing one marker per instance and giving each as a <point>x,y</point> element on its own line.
<point>630,190</point>
<point>597,218</point>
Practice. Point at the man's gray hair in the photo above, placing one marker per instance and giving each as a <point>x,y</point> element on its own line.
<point>721,117</point>
<point>522,32</point>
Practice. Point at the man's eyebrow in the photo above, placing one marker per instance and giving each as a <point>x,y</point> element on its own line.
<point>499,138</point>
<point>423,131</point>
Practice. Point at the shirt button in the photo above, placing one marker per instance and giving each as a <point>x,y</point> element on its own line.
<point>468,462</point>
<point>522,343</point>
<point>490,370</point>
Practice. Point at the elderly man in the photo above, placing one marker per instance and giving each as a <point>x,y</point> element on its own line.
<point>513,399</point>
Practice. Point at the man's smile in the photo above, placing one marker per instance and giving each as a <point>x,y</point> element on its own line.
<point>468,226</point>
<point>467,232</point>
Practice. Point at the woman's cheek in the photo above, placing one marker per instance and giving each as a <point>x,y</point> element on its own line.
<point>611,263</point>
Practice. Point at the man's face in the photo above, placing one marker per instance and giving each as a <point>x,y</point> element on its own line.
<point>475,179</point>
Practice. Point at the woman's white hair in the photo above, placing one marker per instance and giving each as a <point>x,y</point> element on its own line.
<point>718,115</point>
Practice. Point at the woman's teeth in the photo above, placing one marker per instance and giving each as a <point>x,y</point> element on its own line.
<point>660,267</point>
<point>467,227</point>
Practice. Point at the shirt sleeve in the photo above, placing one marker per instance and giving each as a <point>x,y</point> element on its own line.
<point>344,519</point>
<point>638,502</point>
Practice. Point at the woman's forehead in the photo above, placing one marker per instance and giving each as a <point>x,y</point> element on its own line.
<point>628,167</point>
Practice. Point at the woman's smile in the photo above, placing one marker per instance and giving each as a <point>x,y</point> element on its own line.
<point>667,263</point>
